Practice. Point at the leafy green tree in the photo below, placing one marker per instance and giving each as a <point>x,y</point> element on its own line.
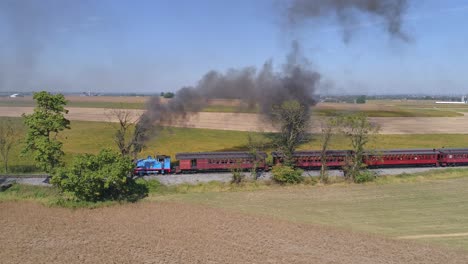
<point>43,127</point>
<point>168,95</point>
<point>105,176</point>
<point>9,135</point>
<point>359,130</point>
<point>361,99</point>
<point>293,119</point>
<point>256,144</point>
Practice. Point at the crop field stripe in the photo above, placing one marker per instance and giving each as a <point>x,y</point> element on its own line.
<point>434,236</point>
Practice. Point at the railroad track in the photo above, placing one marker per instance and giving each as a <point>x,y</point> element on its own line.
<point>174,179</point>
<point>36,176</point>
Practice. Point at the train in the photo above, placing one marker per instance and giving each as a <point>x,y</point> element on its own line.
<point>193,162</point>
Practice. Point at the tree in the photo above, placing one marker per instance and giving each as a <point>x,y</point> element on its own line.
<point>328,128</point>
<point>168,95</point>
<point>43,127</point>
<point>131,131</point>
<point>361,99</point>
<point>255,144</point>
<point>105,176</point>
<point>359,130</point>
<point>9,135</point>
<point>293,120</point>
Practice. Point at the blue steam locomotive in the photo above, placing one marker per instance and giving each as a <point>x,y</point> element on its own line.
<point>158,165</point>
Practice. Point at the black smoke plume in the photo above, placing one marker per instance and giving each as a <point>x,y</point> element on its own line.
<point>348,12</point>
<point>263,89</point>
<point>267,89</point>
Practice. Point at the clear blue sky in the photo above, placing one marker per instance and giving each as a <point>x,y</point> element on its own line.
<point>153,46</point>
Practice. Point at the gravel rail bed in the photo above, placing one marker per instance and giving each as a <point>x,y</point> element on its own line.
<point>23,176</point>
<point>174,179</point>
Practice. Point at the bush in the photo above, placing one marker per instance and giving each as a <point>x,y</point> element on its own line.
<point>105,176</point>
<point>364,176</point>
<point>285,174</point>
<point>237,175</point>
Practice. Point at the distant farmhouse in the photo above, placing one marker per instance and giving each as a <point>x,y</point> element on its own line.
<point>16,95</point>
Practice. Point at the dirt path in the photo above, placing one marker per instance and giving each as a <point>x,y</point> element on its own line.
<point>254,122</point>
<point>165,232</point>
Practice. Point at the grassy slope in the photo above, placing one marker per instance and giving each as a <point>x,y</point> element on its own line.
<point>396,206</point>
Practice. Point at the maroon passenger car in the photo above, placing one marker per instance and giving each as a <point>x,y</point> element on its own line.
<point>453,156</point>
<point>312,159</point>
<point>401,157</point>
<point>219,161</point>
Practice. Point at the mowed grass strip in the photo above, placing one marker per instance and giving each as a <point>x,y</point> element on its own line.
<point>407,205</point>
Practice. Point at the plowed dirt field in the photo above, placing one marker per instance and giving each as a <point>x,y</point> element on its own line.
<point>165,232</point>
<point>254,122</point>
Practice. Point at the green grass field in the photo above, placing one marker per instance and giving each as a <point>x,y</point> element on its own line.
<point>395,206</point>
<point>90,137</point>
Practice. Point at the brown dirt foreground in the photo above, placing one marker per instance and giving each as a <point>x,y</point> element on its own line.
<point>181,233</point>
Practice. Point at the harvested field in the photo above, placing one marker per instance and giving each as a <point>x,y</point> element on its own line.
<point>180,233</point>
<point>254,122</point>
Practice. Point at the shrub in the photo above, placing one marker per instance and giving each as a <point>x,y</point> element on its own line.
<point>237,175</point>
<point>105,176</point>
<point>364,176</point>
<point>285,174</point>
<point>310,180</point>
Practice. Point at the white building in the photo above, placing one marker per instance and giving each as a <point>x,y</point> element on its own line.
<point>464,100</point>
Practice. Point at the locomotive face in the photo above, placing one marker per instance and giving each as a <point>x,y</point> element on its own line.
<point>150,165</point>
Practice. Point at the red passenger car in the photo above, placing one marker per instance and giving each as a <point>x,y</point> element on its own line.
<point>401,157</point>
<point>453,156</point>
<point>312,159</point>
<point>219,161</point>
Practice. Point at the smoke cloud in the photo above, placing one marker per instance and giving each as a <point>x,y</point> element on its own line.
<point>263,89</point>
<point>266,88</point>
<point>348,12</point>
